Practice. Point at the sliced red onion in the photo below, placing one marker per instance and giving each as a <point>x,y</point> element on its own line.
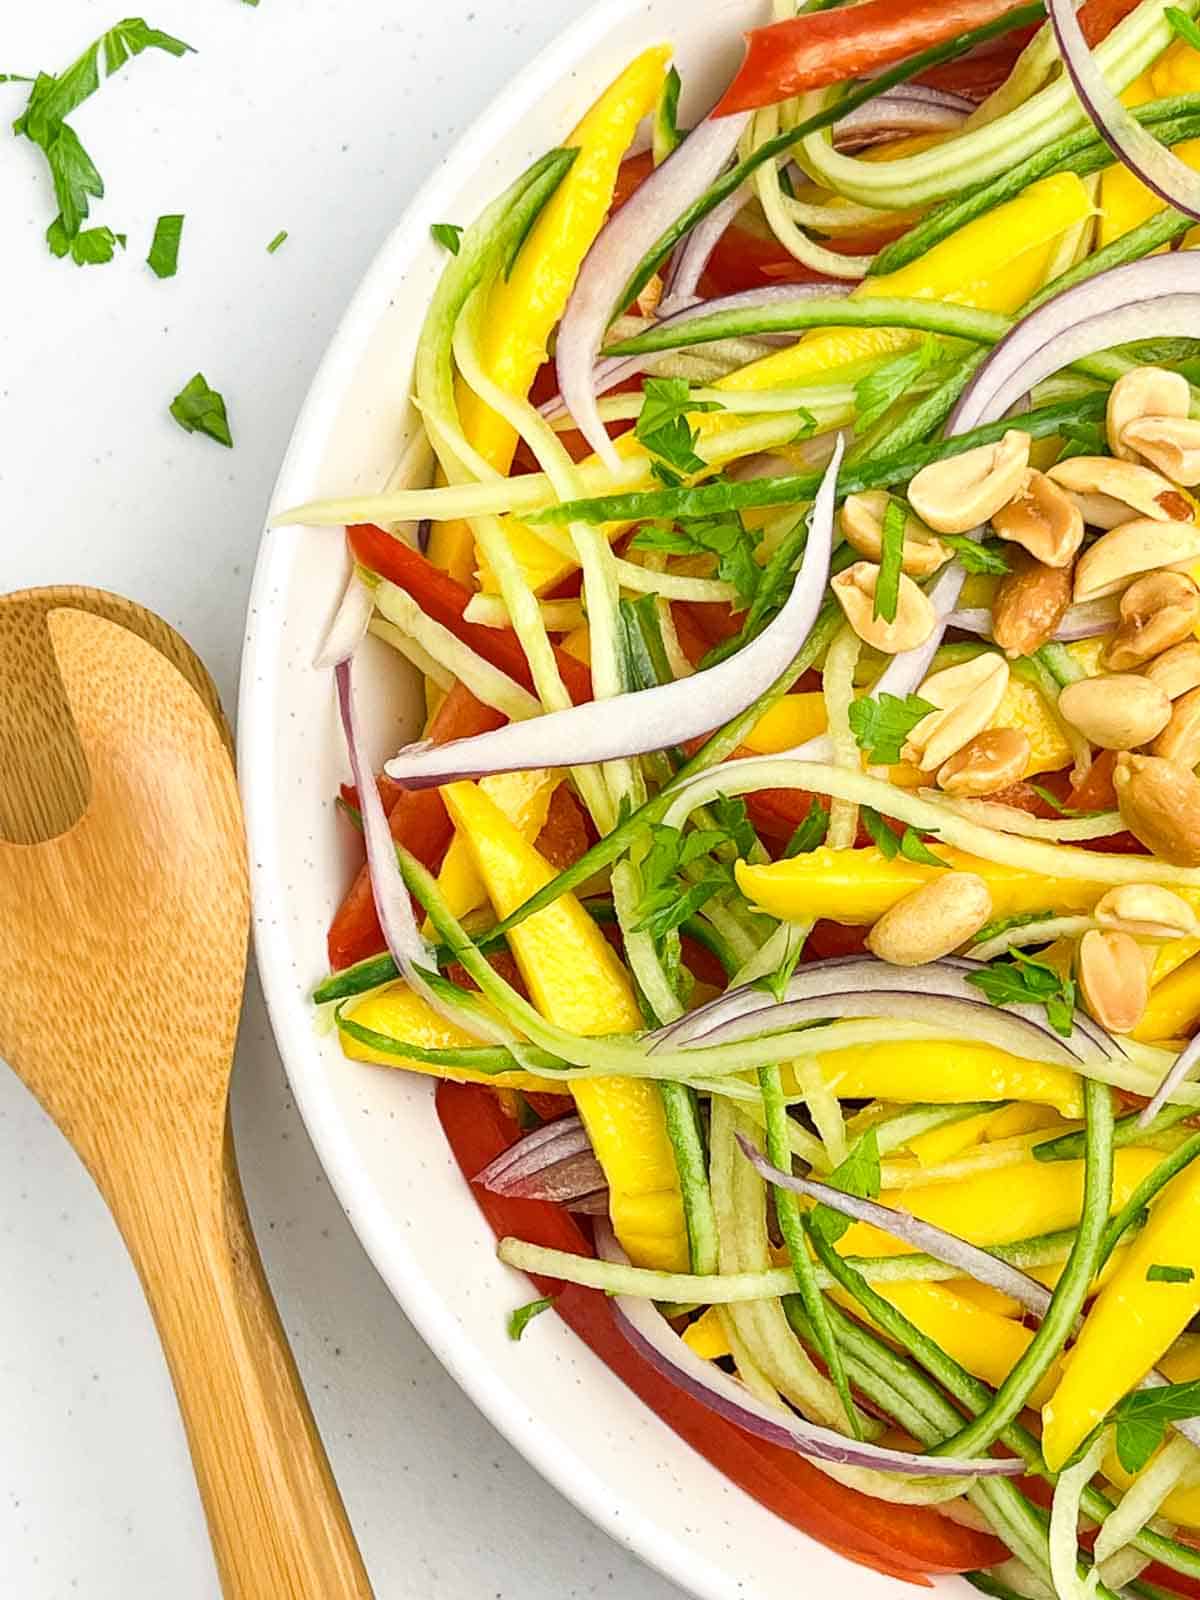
<point>648,719</point>
<point>577,1177</point>
<point>403,938</point>
<point>688,263</point>
<point>1159,168</point>
<point>1184,1063</point>
<point>614,256</point>
<point>657,1343</point>
<point>895,117</point>
<point>612,370</point>
<point>966,1258</point>
<point>529,1152</point>
<point>424,530</point>
<point>349,625</point>
<point>590,1205</point>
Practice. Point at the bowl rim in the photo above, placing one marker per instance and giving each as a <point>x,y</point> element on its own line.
<point>569,1474</point>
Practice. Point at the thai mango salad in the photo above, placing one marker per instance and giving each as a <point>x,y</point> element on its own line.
<point>796,889</point>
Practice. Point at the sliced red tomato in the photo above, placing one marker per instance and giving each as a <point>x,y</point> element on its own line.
<point>441,598</point>
<point>565,834</point>
<point>903,1541</point>
<point>744,258</point>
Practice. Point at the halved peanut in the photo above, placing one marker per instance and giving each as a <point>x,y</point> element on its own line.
<point>1110,493</point>
<point>1116,711</point>
<point>1112,979</point>
<point>1043,519</point>
<point>1160,805</point>
<point>1147,911</point>
<point>1144,392</point>
<point>1172,444</point>
<point>861,523</point>
<point>1117,558</point>
<point>915,617</point>
<point>931,921</point>
<point>991,761</point>
<point>1177,670</point>
<point>967,697</point>
<point>1157,611</point>
<point>1180,739</point>
<point>1028,605</point>
<point>957,494</point>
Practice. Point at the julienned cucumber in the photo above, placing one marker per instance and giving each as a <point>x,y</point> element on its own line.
<point>711,499</point>
<point>1171,120</point>
<point>1126,1130</point>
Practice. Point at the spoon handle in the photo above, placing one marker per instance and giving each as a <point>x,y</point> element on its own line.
<point>275,1516</point>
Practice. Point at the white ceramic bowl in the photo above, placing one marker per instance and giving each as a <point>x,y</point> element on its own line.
<point>375,1130</point>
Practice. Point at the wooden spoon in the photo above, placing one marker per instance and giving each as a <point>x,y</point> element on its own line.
<point>125,910</point>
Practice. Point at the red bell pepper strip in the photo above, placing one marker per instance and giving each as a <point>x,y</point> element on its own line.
<point>903,1541</point>
<point>418,820</point>
<point>826,47</point>
<point>441,598</point>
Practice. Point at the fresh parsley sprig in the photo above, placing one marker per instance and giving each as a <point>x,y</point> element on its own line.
<point>1141,1419</point>
<point>978,559</point>
<point>883,722</point>
<point>891,844</point>
<point>727,538</point>
<point>879,390</point>
<point>1017,979</point>
<point>859,1174</point>
<point>663,428</point>
<point>197,408</point>
<point>810,835</point>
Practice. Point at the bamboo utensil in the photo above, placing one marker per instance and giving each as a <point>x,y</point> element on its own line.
<point>124,910</point>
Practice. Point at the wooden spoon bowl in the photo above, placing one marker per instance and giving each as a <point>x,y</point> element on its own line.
<point>125,908</point>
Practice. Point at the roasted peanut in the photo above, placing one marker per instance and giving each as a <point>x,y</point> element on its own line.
<point>1042,519</point>
<point>1147,911</point>
<point>989,762</point>
<point>1160,805</point>
<point>957,494</point>
<point>1180,739</point>
<point>862,527</point>
<point>914,621</point>
<point>1177,670</point>
<point>1117,711</point>
<point>1157,611</point>
<point>1144,392</point>
<point>1117,558</point>
<point>1110,493</point>
<point>967,698</point>
<point>1172,444</point>
<point>1112,979</point>
<point>931,921</point>
<point>1029,604</point>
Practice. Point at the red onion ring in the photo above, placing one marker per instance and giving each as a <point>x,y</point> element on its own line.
<point>561,1137</point>
<point>614,256</point>
<point>648,719</point>
<point>966,1258</point>
<point>895,117</point>
<point>349,625</point>
<point>657,1342</point>
<point>1085,621</point>
<point>688,263</point>
<point>1159,168</point>
<point>1184,1063</point>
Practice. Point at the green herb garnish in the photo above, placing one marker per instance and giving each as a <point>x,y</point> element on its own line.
<point>447,234</point>
<point>975,557</point>
<point>882,724</point>
<point>662,424</point>
<point>1023,919</point>
<point>163,259</point>
<point>279,239</point>
<point>859,1175</point>
<point>520,1319</point>
<point>727,538</point>
<point>1017,979</point>
<point>1141,1419</point>
<point>1167,1274</point>
<point>810,835</point>
<point>199,409</point>
<point>879,390</point>
<point>891,560</point>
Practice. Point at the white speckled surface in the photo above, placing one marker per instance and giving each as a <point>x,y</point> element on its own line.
<point>319,116</point>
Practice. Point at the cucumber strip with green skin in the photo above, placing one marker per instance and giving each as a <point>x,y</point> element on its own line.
<point>1171,120</point>
<point>792,316</point>
<point>493,1060</point>
<point>715,750</point>
<point>1126,1131</point>
<point>1151,1186</point>
<point>783,142</point>
<point>1070,1291</point>
<point>711,499</point>
<point>791,1225</point>
<point>681,1108</point>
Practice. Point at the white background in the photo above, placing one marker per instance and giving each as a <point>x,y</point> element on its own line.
<point>319,116</point>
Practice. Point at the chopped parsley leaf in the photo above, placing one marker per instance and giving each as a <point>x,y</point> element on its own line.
<point>163,259</point>
<point>199,409</point>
